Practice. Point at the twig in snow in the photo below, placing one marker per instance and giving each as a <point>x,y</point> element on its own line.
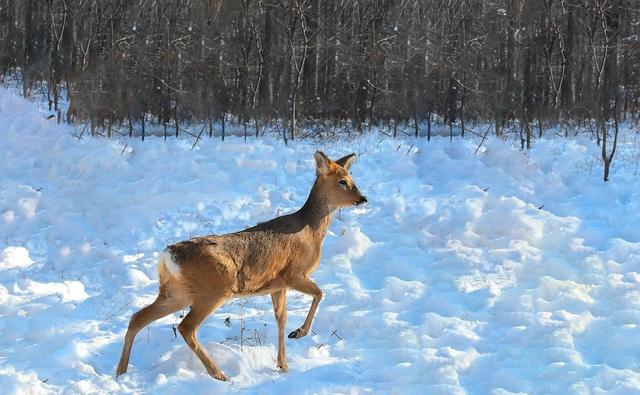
<point>483,139</point>
<point>242,328</point>
<point>125,147</point>
<point>410,148</point>
<point>82,132</point>
<point>197,138</point>
<point>119,310</point>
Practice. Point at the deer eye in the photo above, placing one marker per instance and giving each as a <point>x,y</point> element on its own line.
<point>343,183</point>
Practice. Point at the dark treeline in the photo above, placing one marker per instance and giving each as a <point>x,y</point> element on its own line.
<point>358,62</point>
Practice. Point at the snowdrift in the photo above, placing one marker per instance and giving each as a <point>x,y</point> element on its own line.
<point>492,273</point>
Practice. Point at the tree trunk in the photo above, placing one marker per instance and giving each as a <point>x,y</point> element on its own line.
<point>223,123</point>
<point>143,131</point>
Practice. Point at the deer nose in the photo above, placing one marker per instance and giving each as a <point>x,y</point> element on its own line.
<point>363,199</point>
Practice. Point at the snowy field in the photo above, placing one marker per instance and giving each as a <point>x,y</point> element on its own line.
<point>491,273</point>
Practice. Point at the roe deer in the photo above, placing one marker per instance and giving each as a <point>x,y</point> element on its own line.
<point>271,257</point>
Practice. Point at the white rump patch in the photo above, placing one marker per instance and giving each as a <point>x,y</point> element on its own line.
<point>167,259</point>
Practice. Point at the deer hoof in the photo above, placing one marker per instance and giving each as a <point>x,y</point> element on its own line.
<point>297,334</point>
<point>220,376</point>
<point>283,367</point>
<point>120,372</point>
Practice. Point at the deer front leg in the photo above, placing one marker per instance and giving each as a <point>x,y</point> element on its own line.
<point>308,287</point>
<point>279,299</point>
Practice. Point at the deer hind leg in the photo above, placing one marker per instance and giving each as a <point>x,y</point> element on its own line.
<point>200,310</point>
<point>279,299</point>
<point>164,305</point>
<point>308,287</point>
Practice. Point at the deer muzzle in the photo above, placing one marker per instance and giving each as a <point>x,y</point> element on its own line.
<point>362,200</point>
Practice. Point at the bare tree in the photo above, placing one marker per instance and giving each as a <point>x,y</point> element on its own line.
<point>342,64</point>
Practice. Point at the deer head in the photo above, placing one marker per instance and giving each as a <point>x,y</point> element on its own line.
<point>335,183</point>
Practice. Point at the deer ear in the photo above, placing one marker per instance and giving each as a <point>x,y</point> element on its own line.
<point>323,163</point>
<point>346,161</point>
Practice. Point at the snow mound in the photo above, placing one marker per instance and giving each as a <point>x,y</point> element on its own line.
<point>15,257</point>
<point>496,272</point>
<point>17,382</point>
<point>353,243</point>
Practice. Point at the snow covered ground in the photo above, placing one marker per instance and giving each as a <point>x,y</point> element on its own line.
<point>488,273</point>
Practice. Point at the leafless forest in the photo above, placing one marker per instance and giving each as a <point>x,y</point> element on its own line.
<point>298,64</point>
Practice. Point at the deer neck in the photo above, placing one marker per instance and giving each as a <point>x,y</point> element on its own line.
<point>317,212</point>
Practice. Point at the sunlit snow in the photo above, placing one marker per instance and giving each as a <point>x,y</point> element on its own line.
<point>499,272</point>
